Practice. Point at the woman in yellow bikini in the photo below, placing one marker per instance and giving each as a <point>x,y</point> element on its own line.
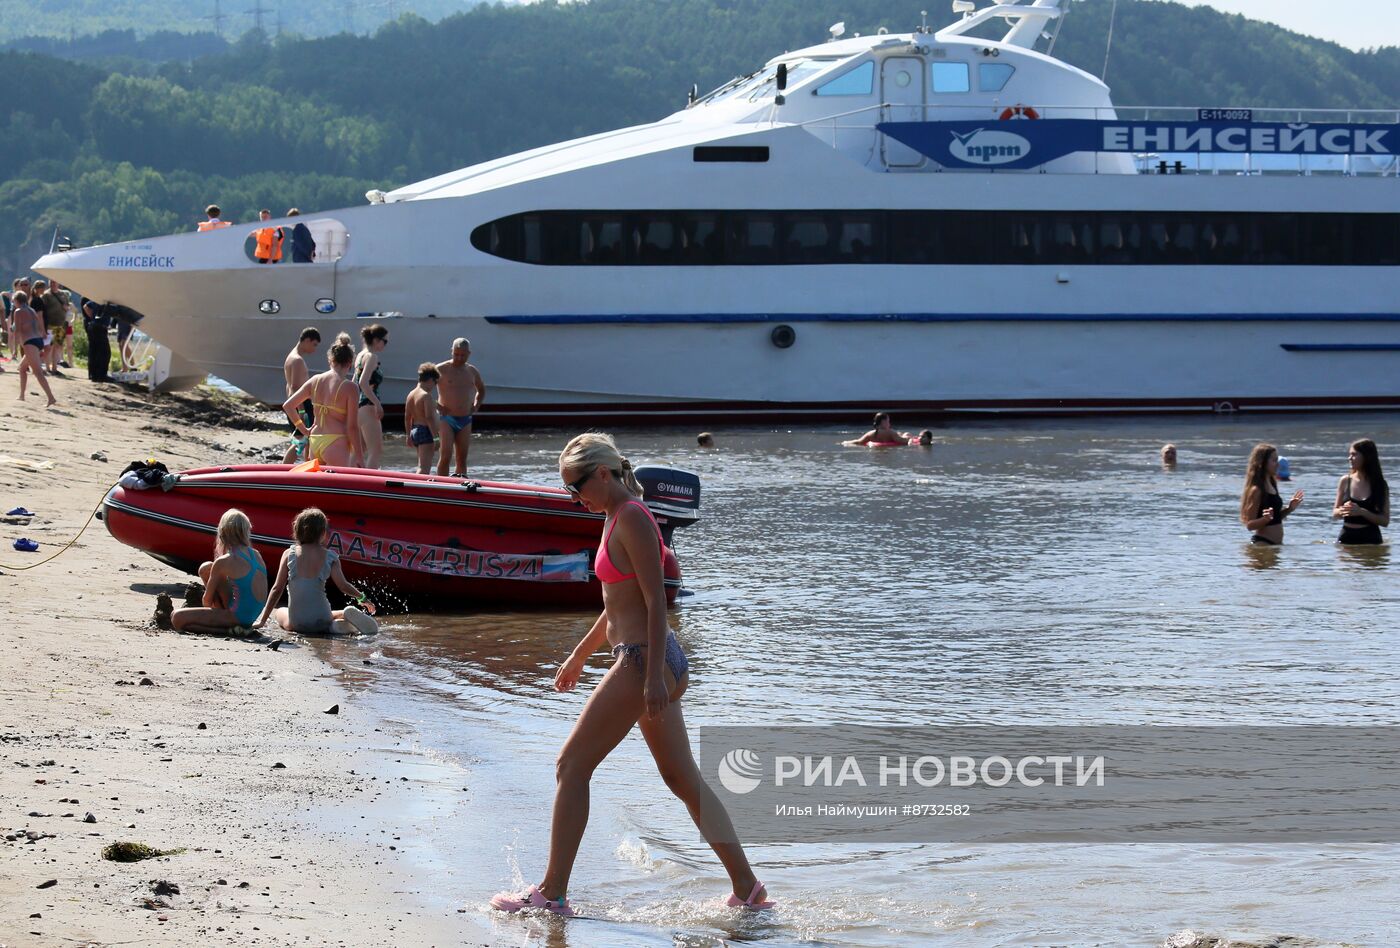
<point>335,438</point>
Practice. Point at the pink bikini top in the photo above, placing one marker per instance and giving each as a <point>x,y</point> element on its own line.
<point>603,565</point>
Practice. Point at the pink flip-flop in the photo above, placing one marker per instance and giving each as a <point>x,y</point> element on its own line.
<point>749,903</point>
<point>530,898</point>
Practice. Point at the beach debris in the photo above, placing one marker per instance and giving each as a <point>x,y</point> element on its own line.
<point>27,465</point>
<point>368,662</point>
<point>19,512</point>
<point>98,456</point>
<point>153,904</point>
<point>37,915</point>
<point>202,726</point>
<point>333,709</point>
<point>279,766</point>
<point>275,644</point>
<point>123,681</point>
<point>38,814</point>
<point>26,545</point>
<point>47,885</point>
<point>164,887</point>
<point>194,594</point>
<point>89,818</point>
<point>146,682</point>
<point>135,852</point>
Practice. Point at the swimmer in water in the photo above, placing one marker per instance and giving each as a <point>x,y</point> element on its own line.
<point>882,434</point>
<point>1168,456</point>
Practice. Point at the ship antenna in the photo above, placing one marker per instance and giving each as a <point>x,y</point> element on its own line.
<point>1108,47</point>
<point>923,18</point>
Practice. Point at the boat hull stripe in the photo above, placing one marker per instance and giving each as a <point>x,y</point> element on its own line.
<point>735,318</point>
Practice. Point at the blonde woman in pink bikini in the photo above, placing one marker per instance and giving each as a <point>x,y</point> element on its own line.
<point>644,685</point>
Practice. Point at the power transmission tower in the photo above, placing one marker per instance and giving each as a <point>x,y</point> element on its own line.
<point>257,9</point>
<point>218,17</point>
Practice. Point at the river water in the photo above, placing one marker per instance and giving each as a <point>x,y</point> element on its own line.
<point>1017,572</point>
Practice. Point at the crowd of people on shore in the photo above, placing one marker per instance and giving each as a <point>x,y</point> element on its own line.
<point>338,416</point>
<point>37,334</point>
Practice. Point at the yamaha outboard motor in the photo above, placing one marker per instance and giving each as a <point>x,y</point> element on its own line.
<point>672,495</point>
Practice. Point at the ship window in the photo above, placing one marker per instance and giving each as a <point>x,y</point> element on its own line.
<point>940,237</point>
<point>951,77</point>
<point>701,238</point>
<point>857,81</point>
<point>752,238</point>
<point>328,242</point>
<point>993,77</point>
<point>807,239</point>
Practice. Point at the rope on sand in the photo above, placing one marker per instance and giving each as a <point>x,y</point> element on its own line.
<point>69,545</point>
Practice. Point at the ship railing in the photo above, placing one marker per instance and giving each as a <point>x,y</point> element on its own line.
<point>854,131</point>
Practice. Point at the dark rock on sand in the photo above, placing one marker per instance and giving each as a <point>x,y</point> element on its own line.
<point>279,766</point>
<point>47,885</point>
<point>147,682</point>
<point>89,818</point>
<point>164,607</point>
<point>333,709</point>
<point>202,726</point>
<point>164,887</point>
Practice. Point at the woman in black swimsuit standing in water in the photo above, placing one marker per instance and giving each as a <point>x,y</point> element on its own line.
<point>1261,507</point>
<point>1363,496</point>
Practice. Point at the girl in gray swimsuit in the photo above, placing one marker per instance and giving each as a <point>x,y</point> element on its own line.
<point>308,611</point>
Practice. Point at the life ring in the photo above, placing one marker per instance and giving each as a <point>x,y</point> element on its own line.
<point>1019,112</point>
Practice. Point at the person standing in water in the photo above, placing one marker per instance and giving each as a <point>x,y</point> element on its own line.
<point>369,376</point>
<point>420,417</point>
<point>644,685</point>
<point>335,437</point>
<point>1168,456</point>
<point>1363,496</point>
<point>1261,507</point>
<point>460,394</point>
<point>295,372</point>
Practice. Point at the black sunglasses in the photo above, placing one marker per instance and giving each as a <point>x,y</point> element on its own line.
<point>574,487</point>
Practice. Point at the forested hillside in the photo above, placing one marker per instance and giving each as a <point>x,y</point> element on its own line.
<point>230,18</point>
<point>108,151</point>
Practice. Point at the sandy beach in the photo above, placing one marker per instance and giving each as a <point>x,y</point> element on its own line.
<point>111,730</point>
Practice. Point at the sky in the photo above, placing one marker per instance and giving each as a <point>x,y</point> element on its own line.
<point>1354,23</point>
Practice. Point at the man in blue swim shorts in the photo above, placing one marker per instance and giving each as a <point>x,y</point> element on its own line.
<point>460,394</point>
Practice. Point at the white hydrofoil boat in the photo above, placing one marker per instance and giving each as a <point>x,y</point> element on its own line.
<point>922,222</point>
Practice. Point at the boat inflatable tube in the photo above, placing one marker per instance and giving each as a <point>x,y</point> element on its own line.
<point>417,538</point>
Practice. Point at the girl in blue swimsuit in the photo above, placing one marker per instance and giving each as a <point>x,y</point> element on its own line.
<point>235,583</point>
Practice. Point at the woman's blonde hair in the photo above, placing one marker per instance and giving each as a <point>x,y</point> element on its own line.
<point>593,449</point>
<point>234,530</point>
<point>310,525</point>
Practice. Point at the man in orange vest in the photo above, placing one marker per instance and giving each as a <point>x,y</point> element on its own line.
<point>269,241</point>
<point>213,223</point>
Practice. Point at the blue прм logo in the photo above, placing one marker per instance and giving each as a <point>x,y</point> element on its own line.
<point>983,147</point>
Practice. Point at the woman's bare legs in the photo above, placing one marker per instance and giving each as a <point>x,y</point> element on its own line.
<point>670,746</point>
<point>609,714</point>
<point>31,363</point>
<point>371,436</point>
<point>203,620</point>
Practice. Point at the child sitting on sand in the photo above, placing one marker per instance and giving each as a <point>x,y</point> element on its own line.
<point>235,583</point>
<point>420,417</point>
<point>303,573</point>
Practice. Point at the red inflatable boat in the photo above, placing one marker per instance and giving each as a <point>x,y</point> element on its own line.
<point>408,537</point>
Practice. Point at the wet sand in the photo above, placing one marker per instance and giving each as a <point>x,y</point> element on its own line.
<point>172,740</point>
